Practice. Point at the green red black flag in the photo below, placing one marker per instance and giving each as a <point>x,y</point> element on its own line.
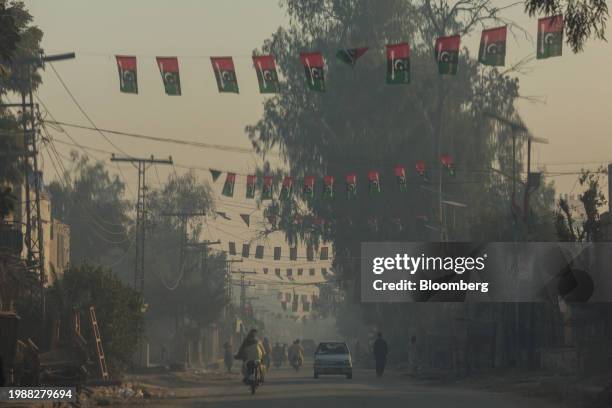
<point>268,188</point>
<point>228,187</point>
<point>400,178</point>
<point>374,182</point>
<point>266,74</point>
<point>398,63</point>
<point>169,70</point>
<point>250,186</point>
<point>550,37</point>
<point>128,77</point>
<point>314,70</point>
<point>308,189</point>
<point>328,187</point>
<point>225,74</point>
<point>447,54</point>
<point>246,218</point>
<point>448,163</point>
<point>421,169</point>
<point>351,55</point>
<point>351,186</point>
<point>492,49</point>
<point>287,188</point>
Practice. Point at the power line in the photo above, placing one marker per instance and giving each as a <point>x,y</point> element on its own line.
<point>159,139</point>
<point>83,111</point>
<point>77,144</point>
<point>474,171</point>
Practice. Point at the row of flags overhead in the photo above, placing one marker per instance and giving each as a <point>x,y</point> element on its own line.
<point>492,52</point>
<point>269,183</point>
<point>277,252</point>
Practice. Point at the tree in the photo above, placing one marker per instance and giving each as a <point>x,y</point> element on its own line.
<point>590,229</point>
<point>183,284</point>
<point>9,32</point>
<point>91,202</point>
<point>361,124</point>
<point>18,39</point>
<point>119,310</point>
<point>583,19</point>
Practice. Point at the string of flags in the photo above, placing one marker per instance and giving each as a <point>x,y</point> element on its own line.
<point>277,252</point>
<point>329,189</point>
<point>322,226</point>
<point>294,300</point>
<point>492,52</point>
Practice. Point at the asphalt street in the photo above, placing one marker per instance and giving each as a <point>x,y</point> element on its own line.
<point>289,389</point>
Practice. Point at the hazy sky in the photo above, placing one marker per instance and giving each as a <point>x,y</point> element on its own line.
<point>576,88</point>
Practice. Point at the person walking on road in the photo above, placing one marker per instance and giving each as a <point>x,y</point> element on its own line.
<point>380,354</point>
<point>268,349</point>
<point>228,356</point>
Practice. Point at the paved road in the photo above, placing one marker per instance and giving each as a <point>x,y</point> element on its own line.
<point>287,389</point>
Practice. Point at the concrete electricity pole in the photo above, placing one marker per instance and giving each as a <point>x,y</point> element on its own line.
<point>142,164</point>
<point>203,246</point>
<point>243,287</point>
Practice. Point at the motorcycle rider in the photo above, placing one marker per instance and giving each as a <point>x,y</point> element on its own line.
<point>296,351</point>
<point>251,349</point>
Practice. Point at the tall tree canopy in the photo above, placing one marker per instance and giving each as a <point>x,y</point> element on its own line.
<point>18,38</point>
<point>360,123</point>
<point>181,280</point>
<point>91,202</point>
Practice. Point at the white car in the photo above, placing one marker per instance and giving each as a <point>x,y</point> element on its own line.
<point>333,358</point>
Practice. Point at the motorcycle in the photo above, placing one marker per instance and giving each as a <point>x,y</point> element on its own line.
<point>254,375</point>
<point>278,361</point>
<point>296,362</point>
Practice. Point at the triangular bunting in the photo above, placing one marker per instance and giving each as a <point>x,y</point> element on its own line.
<point>351,55</point>
<point>215,174</point>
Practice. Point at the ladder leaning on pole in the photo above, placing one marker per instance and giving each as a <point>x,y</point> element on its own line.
<point>101,359</point>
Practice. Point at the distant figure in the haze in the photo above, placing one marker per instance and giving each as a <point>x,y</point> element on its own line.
<point>357,352</point>
<point>228,356</point>
<point>163,353</point>
<point>380,354</point>
<point>296,354</point>
<point>277,355</point>
<point>268,350</point>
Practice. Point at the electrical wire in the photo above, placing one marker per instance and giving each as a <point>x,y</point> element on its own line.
<point>159,139</point>
<point>80,107</point>
<point>75,143</point>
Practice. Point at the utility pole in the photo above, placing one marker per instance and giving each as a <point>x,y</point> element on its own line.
<point>203,246</point>
<point>142,164</point>
<point>529,185</point>
<point>183,217</point>
<point>228,283</point>
<point>243,287</point>
<point>35,253</point>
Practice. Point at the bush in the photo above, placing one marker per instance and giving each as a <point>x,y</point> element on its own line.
<point>119,310</point>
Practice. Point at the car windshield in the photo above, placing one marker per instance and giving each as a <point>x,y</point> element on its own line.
<point>332,348</point>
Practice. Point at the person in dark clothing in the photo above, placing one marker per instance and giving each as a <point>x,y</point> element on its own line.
<point>380,354</point>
